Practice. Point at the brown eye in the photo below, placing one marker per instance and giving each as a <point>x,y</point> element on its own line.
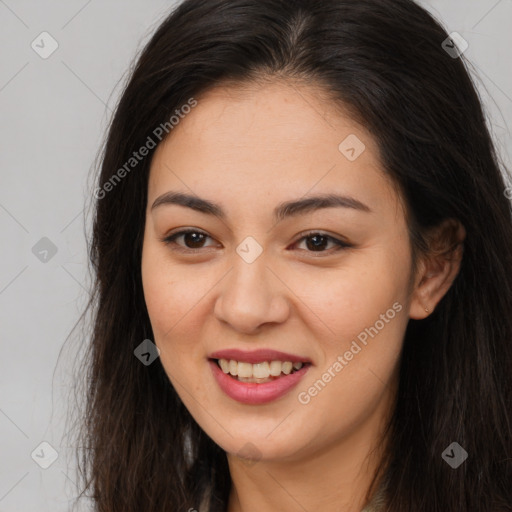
<point>317,242</point>
<point>192,239</point>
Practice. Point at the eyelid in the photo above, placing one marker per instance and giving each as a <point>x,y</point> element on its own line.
<point>169,239</point>
<point>341,244</point>
<point>334,238</point>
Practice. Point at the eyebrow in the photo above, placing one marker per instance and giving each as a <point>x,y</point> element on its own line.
<point>282,211</point>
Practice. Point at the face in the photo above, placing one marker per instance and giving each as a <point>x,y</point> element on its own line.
<point>325,283</point>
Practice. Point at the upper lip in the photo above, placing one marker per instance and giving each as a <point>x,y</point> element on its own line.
<point>258,356</point>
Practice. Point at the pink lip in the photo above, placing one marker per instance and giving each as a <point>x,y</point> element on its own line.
<point>253,393</point>
<point>257,356</point>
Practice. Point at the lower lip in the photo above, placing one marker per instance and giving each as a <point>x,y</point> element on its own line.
<point>253,393</point>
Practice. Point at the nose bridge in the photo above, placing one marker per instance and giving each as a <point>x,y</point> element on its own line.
<point>251,277</point>
<point>251,295</point>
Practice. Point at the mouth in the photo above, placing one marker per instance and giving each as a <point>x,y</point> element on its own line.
<point>259,382</point>
<point>260,372</point>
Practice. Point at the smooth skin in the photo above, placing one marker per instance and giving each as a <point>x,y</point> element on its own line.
<point>248,150</point>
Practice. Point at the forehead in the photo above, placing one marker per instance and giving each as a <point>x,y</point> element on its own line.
<point>272,139</point>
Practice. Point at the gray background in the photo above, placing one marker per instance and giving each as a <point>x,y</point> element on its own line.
<point>54,113</point>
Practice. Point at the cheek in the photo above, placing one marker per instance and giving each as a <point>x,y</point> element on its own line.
<point>356,375</point>
<point>343,303</point>
<point>167,295</point>
<point>173,300</point>
<point>363,316</point>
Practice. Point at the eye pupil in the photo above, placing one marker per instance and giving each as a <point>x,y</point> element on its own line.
<point>316,246</point>
<point>196,235</point>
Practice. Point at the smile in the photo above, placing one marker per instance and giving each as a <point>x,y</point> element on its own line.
<point>257,383</point>
<point>258,372</point>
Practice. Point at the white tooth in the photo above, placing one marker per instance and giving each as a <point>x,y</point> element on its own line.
<point>286,367</point>
<point>244,369</point>
<point>233,367</point>
<point>261,370</point>
<point>224,364</point>
<point>275,368</point>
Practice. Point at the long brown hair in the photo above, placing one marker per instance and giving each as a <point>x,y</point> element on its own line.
<point>140,449</point>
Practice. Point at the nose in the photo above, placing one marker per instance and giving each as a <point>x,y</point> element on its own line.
<point>251,296</point>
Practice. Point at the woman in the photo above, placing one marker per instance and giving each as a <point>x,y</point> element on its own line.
<point>302,246</point>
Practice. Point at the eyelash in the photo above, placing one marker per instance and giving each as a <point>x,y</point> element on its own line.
<point>340,244</point>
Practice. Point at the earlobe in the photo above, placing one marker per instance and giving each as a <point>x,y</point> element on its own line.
<point>438,269</point>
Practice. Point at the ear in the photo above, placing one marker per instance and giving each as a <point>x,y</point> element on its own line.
<point>438,268</point>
